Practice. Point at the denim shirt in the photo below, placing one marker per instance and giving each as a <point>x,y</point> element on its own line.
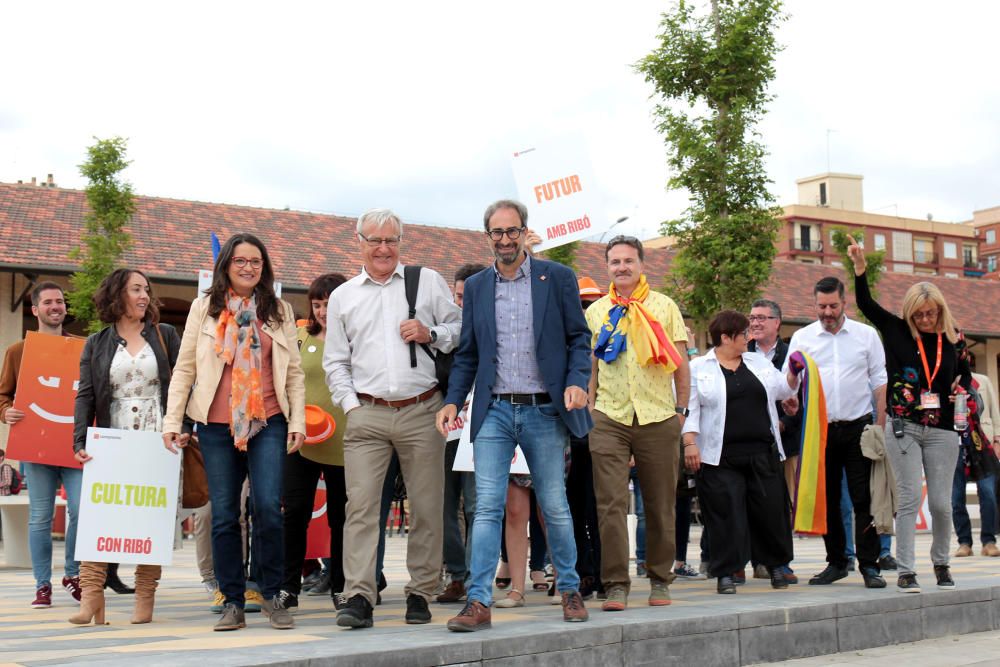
<point>517,367</point>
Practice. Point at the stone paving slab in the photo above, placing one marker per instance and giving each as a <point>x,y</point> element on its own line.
<point>700,627</point>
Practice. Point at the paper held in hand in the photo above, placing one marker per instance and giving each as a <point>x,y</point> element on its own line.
<point>556,182</point>
<point>128,499</point>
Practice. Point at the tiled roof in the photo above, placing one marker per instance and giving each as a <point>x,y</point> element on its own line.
<point>39,225</point>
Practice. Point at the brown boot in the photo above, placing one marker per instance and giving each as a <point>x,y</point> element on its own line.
<point>146,578</point>
<point>92,598</point>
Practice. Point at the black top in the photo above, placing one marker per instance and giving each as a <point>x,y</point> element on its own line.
<point>907,378</point>
<point>748,424</point>
<point>93,396</point>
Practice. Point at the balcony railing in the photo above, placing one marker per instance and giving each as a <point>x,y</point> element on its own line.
<point>922,257</point>
<point>807,245</point>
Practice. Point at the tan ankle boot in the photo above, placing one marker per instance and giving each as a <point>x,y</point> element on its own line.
<point>92,598</point>
<point>146,578</point>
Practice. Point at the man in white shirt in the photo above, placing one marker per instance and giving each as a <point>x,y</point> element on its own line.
<point>851,359</point>
<point>379,369</point>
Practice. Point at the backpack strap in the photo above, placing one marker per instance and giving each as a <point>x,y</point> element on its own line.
<point>411,279</point>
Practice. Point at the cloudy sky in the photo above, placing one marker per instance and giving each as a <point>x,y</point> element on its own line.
<point>339,107</point>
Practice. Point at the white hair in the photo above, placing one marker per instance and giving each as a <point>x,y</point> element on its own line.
<point>379,217</point>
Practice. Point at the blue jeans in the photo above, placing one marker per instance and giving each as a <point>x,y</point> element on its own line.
<point>640,518</point>
<point>43,482</point>
<point>986,490</point>
<point>543,437</point>
<point>847,516</point>
<point>226,467</point>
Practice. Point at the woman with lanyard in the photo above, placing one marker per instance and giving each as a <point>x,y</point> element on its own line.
<point>928,371</point>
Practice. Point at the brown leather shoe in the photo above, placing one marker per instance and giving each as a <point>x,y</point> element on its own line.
<point>990,549</point>
<point>573,609</point>
<point>964,550</point>
<point>474,616</point>
<point>455,592</point>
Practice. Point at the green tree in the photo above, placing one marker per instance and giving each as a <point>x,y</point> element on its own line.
<point>110,205</point>
<point>564,254</point>
<point>874,259</point>
<point>711,72</point>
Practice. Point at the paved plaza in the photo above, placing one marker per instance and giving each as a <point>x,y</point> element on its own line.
<point>699,628</point>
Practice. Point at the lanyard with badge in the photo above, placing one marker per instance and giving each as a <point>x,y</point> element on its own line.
<point>928,399</point>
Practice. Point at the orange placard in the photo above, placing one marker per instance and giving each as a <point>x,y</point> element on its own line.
<point>46,392</point>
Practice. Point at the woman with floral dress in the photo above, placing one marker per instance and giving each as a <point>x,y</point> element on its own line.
<point>124,377</point>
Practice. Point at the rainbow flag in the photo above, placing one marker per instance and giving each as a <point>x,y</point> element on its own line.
<point>809,507</point>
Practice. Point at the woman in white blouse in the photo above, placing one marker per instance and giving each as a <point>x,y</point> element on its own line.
<point>732,440</point>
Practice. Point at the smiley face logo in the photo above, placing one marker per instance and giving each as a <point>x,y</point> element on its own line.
<point>52,382</point>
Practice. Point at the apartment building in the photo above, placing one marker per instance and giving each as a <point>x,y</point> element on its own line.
<point>921,247</point>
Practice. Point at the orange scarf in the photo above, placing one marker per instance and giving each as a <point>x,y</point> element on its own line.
<point>237,342</point>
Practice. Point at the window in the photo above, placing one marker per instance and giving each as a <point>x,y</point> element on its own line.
<point>991,236</point>
<point>804,233</point>
<point>923,251</point>
<point>991,263</point>
<point>822,194</point>
<point>969,255</point>
<point>950,250</point>
<point>880,242</point>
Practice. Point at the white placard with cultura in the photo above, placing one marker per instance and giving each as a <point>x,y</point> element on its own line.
<point>128,499</point>
<point>556,182</point>
<point>464,456</point>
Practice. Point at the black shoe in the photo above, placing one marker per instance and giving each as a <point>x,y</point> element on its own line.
<point>907,583</point>
<point>587,587</point>
<point>850,565</point>
<point>887,562</point>
<point>113,582</point>
<point>416,610</point>
<point>778,580</point>
<point>339,601</point>
<point>943,574</point>
<point>357,613</point>
<point>289,601</point>
<point>831,574</point>
<point>739,577</point>
<point>872,578</point>
<point>725,585</point>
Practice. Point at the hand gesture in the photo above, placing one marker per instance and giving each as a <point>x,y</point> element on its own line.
<point>445,419</point>
<point>857,255</point>
<point>175,441</point>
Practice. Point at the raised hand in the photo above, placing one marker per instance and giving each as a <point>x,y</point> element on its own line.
<point>857,255</point>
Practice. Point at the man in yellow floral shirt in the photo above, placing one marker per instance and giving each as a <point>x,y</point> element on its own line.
<point>638,393</point>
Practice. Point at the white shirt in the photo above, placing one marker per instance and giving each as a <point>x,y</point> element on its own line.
<point>851,364</point>
<point>364,352</point>
<point>707,404</point>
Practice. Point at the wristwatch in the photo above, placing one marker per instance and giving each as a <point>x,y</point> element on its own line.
<point>434,336</point>
<point>684,412</point>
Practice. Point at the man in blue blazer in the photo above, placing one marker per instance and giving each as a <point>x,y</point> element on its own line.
<point>525,346</point>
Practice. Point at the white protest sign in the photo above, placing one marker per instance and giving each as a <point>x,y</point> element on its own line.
<point>463,455</point>
<point>205,282</point>
<point>128,499</point>
<point>557,184</point>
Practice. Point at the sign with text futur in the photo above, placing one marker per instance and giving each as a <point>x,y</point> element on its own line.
<point>46,392</point>
<point>556,183</point>
<point>128,499</point>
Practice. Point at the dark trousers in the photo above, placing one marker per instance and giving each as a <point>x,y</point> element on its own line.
<point>682,526</point>
<point>583,507</point>
<point>301,478</point>
<point>843,454</point>
<point>744,499</point>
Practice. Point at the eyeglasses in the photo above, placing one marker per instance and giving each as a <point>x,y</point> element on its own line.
<point>761,318</point>
<point>374,242</point>
<point>929,315</point>
<point>513,233</point>
<point>241,262</point>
